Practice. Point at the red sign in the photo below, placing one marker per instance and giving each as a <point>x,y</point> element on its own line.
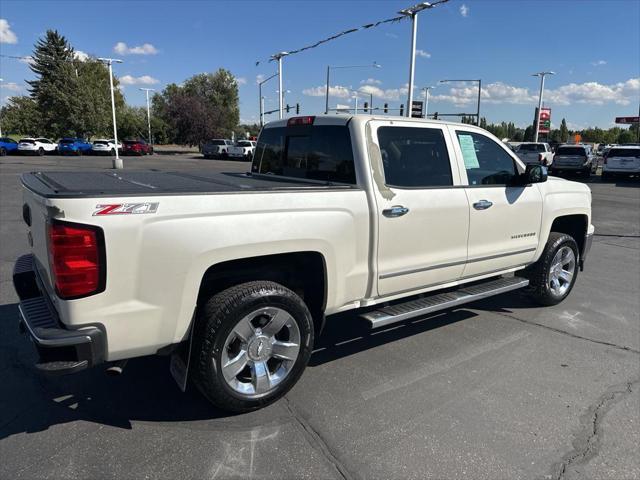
<point>627,120</point>
<point>545,120</point>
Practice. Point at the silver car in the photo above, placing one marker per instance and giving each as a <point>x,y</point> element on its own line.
<point>573,158</point>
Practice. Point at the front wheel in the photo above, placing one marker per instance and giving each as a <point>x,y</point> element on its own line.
<point>553,276</point>
<point>41,151</point>
<point>3,152</point>
<point>251,344</point>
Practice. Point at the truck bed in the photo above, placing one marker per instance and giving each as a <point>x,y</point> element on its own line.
<point>150,183</point>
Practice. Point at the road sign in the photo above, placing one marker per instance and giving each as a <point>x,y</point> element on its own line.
<point>416,108</point>
<point>545,120</point>
<point>627,120</point>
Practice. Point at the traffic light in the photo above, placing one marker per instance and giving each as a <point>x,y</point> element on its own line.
<point>402,110</point>
<point>386,108</point>
<point>297,108</point>
<point>288,108</point>
<point>366,107</point>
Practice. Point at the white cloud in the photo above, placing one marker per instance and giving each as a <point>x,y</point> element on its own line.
<point>80,55</point>
<point>143,80</point>
<point>260,77</point>
<point>371,81</point>
<point>599,63</point>
<point>6,34</point>
<point>464,10</point>
<point>385,94</point>
<point>592,93</point>
<point>422,53</point>
<point>11,86</point>
<point>241,80</point>
<point>390,35</point>
<point>144,49</point>
<point>27,60</point>
<point>334,91</point>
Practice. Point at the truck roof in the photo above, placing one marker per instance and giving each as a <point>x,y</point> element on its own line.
<point>344,119</point>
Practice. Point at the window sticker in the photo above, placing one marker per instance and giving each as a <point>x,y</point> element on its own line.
<point>468,151</point>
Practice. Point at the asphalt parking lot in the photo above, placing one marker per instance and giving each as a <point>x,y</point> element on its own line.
<point>501,389</point>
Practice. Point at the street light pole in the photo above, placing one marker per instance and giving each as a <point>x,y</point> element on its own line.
<point>278,57</point>
<point>427,91</point>
<point>261,98</point>
<point>329,67</point>
<point>413,13</point>
<point>537,121</point>
<point>117,161</point>
<point>147,90</point>
<point>1,80</point>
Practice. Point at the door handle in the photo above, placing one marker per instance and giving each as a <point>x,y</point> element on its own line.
<point>395,211</point>
<point>482,204</point>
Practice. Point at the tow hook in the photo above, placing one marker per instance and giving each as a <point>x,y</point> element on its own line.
<point>116,368</point>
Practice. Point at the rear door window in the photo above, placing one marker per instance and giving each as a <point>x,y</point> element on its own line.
<point>320,152</point>
<point>414,157</point>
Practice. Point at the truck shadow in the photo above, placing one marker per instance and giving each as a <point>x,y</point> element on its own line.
<point>145,392</point>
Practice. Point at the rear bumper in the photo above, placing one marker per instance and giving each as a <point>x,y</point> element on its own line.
<point>61,350</point>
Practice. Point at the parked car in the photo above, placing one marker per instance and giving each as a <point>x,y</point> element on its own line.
<point>532,152</point>
<point>36,146</point>
<point>233,274</point>
<point>216,148</point>
<point>243,150</point>
<point>8,145</point>
<point>621,160</point>
<point>136,147</point>
<point>75,146</point>
<point>105,147</point>
<point>574,158</point>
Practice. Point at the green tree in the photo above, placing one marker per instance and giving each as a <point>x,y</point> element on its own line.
<point>20,115</point>
<point>529,133</point>
<point>205,106</point>
<point>564,131</point>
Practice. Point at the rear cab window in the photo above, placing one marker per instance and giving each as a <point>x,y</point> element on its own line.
<point>311,152</point>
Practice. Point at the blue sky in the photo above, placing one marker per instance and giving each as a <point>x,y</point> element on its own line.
<point>594,46</point>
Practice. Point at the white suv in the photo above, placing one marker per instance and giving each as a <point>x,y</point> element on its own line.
<point>36,146</point>
<point>621,160</point>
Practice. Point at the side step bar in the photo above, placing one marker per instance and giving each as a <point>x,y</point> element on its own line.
<point>441,301</point>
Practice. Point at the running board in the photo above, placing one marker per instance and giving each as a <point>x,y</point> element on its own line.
<point>441,301</point>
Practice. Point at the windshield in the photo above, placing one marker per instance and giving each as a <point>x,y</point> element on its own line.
<point>572,151</point>
<point>217,142</point>
<point>244,144</point>
<point>531,147</point>
<point>131,142</point>
<point>100,142</point>
<point>311,152</point>
<point>27,140</point>
<point>624,152</point>
<point>66,141</point>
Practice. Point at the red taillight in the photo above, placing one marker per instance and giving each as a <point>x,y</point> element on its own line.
<point>76,259</point>
<point>300,121</point>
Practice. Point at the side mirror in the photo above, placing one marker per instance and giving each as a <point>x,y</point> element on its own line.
<point>534,173</point>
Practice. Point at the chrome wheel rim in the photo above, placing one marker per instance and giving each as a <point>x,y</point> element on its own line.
<point>562,270</point>
<point>260,351</point>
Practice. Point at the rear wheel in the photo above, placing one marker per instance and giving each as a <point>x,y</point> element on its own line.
<point>41,151</point>
<point>251,343</point>
<point>553,276</point>
<point>3,152</point>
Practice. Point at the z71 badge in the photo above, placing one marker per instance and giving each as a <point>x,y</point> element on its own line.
<point>126,208</point>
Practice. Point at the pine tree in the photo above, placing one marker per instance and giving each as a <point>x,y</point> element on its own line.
<point>564,131</point>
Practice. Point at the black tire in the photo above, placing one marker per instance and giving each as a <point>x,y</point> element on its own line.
<point>41,151</point>
<point>215,321</point>
<point>3,152</point>
<point>606,176</point>
<point>539,273</point>
<point>112,152</point>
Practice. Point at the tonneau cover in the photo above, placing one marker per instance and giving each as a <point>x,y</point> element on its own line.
<point>138,183</point>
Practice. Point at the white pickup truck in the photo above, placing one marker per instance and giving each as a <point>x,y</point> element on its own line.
<point>242,150</point>
<point>532,152</point>
<point>233,274</point>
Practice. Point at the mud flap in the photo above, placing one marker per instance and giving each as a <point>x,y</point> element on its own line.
<point>180,359</point>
